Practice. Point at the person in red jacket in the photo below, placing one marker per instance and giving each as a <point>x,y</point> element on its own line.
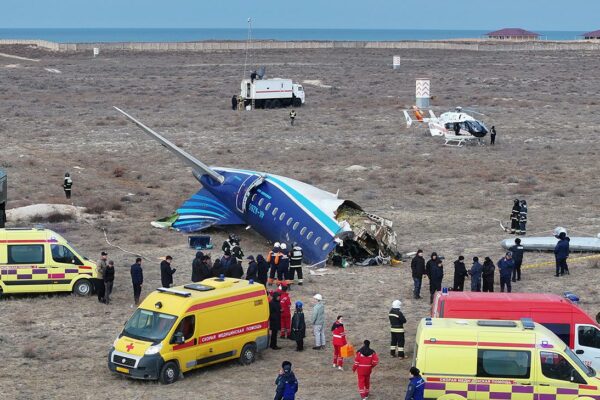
<point>364,362</point>
<point>286,313</point>
<point>339,340</point>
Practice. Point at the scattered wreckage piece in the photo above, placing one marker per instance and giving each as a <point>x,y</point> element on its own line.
<point>547,243</point>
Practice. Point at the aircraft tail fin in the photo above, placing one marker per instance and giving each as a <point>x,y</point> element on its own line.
<point>198,166</point>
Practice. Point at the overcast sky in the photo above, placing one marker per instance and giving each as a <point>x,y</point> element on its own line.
<point>573,15</point>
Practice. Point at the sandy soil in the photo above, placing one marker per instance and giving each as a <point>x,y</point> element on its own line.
<point>544,105</point>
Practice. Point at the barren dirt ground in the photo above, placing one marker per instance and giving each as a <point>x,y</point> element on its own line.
<point>544,105</point>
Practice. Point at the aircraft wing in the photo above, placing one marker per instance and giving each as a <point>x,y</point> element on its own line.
<point>198,166</point>
<point>547,243</point>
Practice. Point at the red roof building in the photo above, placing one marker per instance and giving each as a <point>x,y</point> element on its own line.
<point>592,35</point>
<point>513,34</point>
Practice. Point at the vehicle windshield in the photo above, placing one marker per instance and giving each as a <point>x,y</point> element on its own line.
<point>589,371</point>
<point>150,326</point>
<point>475,127</point>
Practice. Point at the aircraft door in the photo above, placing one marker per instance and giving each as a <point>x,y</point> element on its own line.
<point>587,345</point>
<point>245,190</point>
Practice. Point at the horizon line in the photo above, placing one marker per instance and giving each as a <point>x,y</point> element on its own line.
<point>291,29</point>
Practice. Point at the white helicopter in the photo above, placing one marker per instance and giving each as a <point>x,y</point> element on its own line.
<point>457,127</point>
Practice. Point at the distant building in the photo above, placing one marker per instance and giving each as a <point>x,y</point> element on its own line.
<point>591,35</point>
<point>513,34</point>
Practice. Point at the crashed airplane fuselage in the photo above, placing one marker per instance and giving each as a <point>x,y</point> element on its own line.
<point>279,208</point>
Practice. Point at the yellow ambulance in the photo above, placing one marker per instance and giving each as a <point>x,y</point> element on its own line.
<point>36,260</point>
<point>492,359</point>
<point>178,329</point>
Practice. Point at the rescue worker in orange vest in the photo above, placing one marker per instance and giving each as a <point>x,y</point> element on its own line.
<point>273,260</point>
<point>339,340</point>
<point>364,362</point>
<point>286,313</point>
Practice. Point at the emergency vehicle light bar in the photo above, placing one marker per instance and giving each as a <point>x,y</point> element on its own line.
<point>199,287</point>
<point>503,324</point>
<point>527,323</point>
<point>175,292</point>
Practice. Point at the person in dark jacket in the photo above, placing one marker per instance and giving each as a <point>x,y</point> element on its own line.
<point>514,216</point>
<point>561,253</point>
<point>137,279</point>
<point>505,267</point>
<point>226,263</point>
<point>234,102</point>
<point>67,185</point>
<point>416,386</point>
<point>435,272</point>
<point>487,274</point>
<point>460,273</point>
<point>274,320</point>
<point>299,327</point>
<point>475,272</point>
<point>493,135</point>
<point>397,321</point>
<point>417,266</point>
<point>252,271</point>
<point>217,269</point>
<point>166,272</point>
<point>286,383</point>
<point>262,269</point>
<point>523,218</point>
<point>235,269</point>
<point>283,268</point>
<point>109,278</point>
<point>196,267</point>
<point>457,129</point>
<point>517,255</point>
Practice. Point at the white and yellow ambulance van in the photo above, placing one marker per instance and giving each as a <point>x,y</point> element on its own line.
<point>186,327</point>
<point>492,359</point>
<point>36,260</point>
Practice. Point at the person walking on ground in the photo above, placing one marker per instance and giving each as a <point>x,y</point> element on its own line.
<point>234,102</point>
<point>435,272</point>
<point>416,386</point>
<point>561,253</point>
<point>99,282</point>
<point>397,321</point>
<point>318,320</point>
<point>460,273</point>
<point>166,272</point>
<point>67,185</point>
<point>274,320</point>
<point>299,327</point>
<point>417,266</point>
<point>505,267</point>
<point>296,256</point>
<point>286,313</point>
<point>339,340</point>
<point>109,279</point>
<point>517,255</point>
<point>262,269</point>
<point>475,272</point>
<point>523,218</point>
<point>365,360</point>
<point>292,116</point>
<point>283,267</point>
<point>493,135</point>
<point>514,216</point>
<point>252,271</point>
<point>273,260</point>
<point>137,280</point>
<point>487,274</point>
<point>286,383</point>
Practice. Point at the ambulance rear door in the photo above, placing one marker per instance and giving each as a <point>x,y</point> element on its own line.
<point>587,345</point>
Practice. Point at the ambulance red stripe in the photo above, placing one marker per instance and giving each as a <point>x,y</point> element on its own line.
<point>213,337</point>
<point>225,300</point>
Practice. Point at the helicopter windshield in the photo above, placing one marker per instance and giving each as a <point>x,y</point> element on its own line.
<point>475,128</point>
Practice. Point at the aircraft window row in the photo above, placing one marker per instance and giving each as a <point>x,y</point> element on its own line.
<point>282,216</point>
<point>275,211</point>
<point>268,206</point>
<point>310,235</point>
<point>289,221</point>
<point>261,201</point>
<point>253,197</point>
<point>325,246</point>
<point>302,231</point>
<point>296,225</point>
<point>317,241</point>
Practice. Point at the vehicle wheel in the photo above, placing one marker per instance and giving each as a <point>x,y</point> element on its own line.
<point>83,287</point>
<point>248,355</point>
<point>169,373</point>
<point>297,102</point>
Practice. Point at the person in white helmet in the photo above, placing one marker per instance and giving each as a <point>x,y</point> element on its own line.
<point>296,256</point>
<point>273,260</point>
<point>397,321</point>
<point>283,266</point>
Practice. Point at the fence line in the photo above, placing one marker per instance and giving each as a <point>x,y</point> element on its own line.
<point>474,45</point>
